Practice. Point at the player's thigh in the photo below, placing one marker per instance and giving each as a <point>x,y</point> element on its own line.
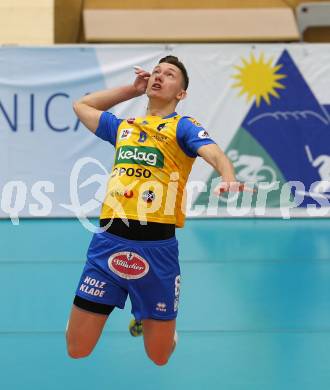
<point>158,337</point>
<point>83,331</point>
<point>97,293</point>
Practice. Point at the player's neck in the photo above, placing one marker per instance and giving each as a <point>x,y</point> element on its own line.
<point>159,109</point>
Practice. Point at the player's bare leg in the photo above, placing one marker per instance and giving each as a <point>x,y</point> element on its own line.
<point>83,331</point>
<point>159,339</point>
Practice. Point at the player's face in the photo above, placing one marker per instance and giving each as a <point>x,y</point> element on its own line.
<point>166,83</point>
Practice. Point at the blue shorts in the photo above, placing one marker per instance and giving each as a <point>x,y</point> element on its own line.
<point>147,271</point>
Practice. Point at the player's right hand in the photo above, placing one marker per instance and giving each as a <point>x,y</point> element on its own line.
<point>141,80</point>
<point>233,186</point>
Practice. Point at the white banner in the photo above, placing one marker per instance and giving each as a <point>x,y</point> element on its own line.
<point>267,106</point>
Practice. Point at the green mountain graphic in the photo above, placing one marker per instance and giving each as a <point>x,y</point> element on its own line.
<point>252,164</point>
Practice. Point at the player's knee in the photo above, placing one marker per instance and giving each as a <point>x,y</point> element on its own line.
<point>158,359</point>
<point>78,352</point>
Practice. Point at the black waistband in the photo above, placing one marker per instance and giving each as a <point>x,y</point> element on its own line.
<point>152,231</point>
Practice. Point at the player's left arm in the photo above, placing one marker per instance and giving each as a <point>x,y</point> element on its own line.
<point>195,141</point>
<point>214,156</point>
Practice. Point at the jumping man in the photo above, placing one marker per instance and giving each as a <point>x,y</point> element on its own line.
<point>136,252</point>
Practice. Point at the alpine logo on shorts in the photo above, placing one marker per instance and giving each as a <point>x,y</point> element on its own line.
<point>128,265</point>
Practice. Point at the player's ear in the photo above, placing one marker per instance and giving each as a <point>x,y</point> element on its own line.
<point>181,95</point>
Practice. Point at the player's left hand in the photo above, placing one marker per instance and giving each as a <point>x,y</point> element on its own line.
<point>232,186</point>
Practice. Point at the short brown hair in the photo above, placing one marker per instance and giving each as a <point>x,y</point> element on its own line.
<point>175,61</point>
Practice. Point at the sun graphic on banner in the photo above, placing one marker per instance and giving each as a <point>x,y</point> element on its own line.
<point>258,78</point>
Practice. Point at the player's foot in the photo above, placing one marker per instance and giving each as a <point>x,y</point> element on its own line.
<point>135,328</point>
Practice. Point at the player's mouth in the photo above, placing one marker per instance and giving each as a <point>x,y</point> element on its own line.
<point>156,86</point>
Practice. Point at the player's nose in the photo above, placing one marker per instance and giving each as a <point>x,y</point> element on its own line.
<point>159,77</point>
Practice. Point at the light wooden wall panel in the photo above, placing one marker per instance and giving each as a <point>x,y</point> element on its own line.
<point>27,22</point>
<point>174,4</point>
<point>190,25</point>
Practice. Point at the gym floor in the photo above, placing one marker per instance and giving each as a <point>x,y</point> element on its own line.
<point>254,312</point>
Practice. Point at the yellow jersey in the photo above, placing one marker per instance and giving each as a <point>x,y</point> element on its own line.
<point>153,159</point>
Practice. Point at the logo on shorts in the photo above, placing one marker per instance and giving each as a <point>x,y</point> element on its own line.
<point>128,265</point>
<point>177,285</point>
<point>161,307</point>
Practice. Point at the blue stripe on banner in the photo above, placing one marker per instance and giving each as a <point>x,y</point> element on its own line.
<point>294,128</point>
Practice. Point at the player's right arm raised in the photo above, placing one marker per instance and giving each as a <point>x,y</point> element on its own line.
<point>90,107</point>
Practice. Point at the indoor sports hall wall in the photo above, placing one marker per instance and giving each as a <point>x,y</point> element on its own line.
<point>268,107</point>
<point>254,308</point>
